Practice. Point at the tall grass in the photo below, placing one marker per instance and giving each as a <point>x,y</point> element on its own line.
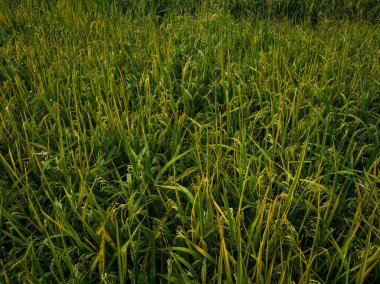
<point>203,147</point>
<point>293,10</point>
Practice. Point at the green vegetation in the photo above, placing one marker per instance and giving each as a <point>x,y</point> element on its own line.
<point>207,142</point>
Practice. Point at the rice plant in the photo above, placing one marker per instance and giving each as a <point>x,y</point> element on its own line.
<point>189,141</point>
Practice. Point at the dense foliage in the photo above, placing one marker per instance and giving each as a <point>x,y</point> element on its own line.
<point>184,141</point>
<point>294,10</point>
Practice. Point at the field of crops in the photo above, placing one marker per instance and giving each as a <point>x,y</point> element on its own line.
<point>189,141</point>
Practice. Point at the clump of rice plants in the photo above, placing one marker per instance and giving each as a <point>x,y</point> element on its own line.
<point>218,143</point>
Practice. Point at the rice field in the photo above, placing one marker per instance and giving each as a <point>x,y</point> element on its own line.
<point>189,141</point>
